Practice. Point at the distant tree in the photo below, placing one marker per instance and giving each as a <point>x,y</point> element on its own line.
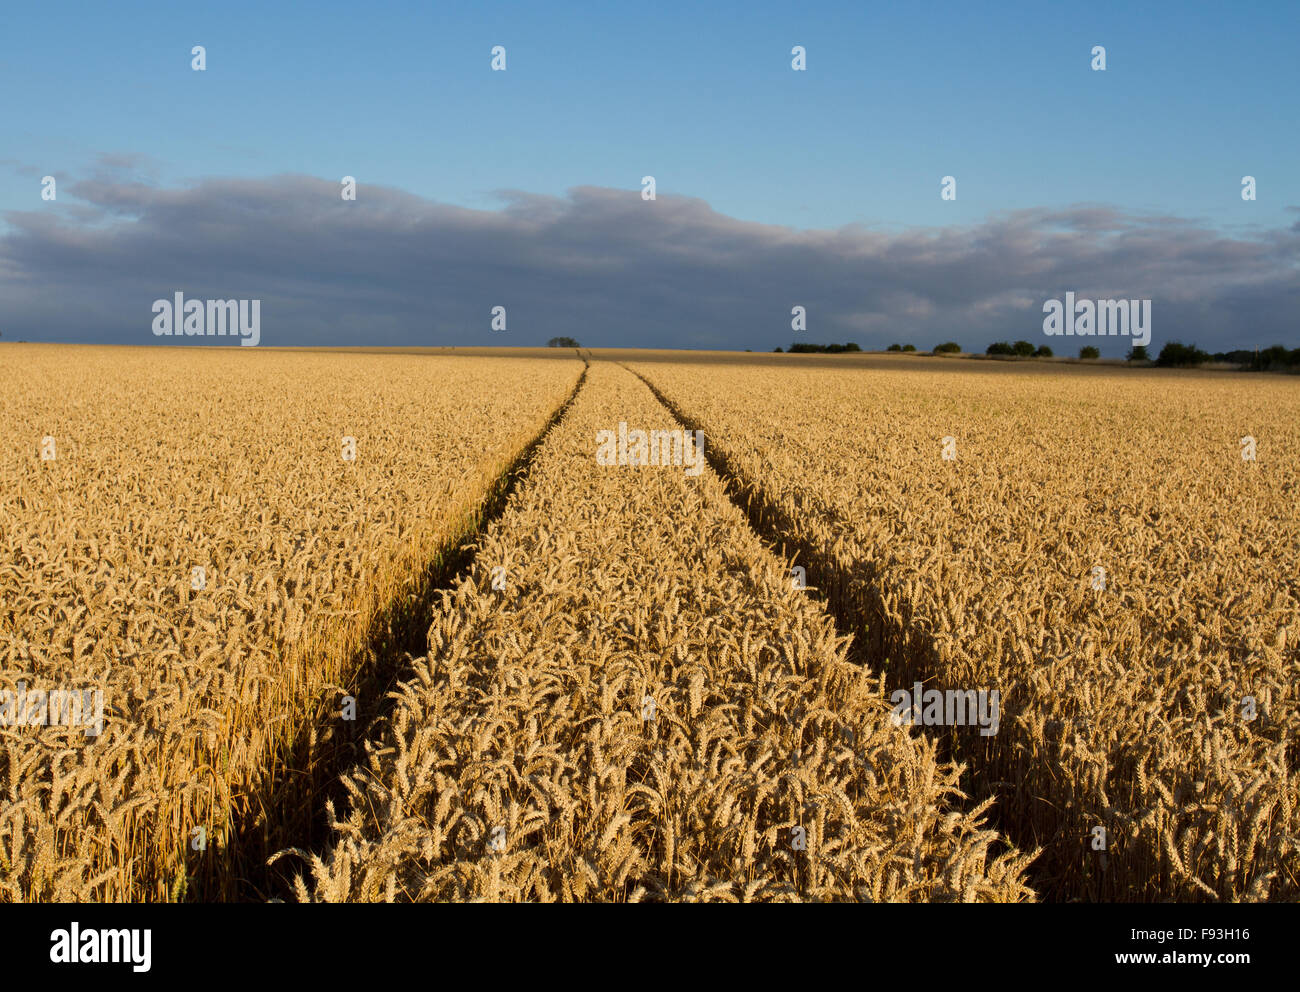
<point>947,348</point>
<point>1138,353</point>
<point>1024,349</point>
<point>562,343</point>
<point>895,347</point>
<point>1088,351</point>
<point>806,348</point>
<point>1175,354</point>
<point>909,347</point>
<point>1043,352</point>
<point>779,350</point>
<point>1238,356</point>
<point>1000,348</point>
<point>1276,357</point>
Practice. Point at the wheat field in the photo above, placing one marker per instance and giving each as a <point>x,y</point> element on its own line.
<point>1160,707</point>
<point>167,461</point>
<point>646,710</point>
<point>390,627</point>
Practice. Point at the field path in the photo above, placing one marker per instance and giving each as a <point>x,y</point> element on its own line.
<point>1099,554</point>
<point>624,698</point>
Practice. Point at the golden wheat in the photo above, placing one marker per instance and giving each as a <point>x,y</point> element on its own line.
<point>166,461</point>
<point>645,710</point>
<point>624,698</point>
<point>1126,706</point>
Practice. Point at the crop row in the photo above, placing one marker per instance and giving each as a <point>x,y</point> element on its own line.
<point>626,699</point>
<point>204,538</point>
<point>1114,555</point>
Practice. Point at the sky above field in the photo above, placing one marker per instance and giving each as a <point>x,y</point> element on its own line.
<point>774,188</point>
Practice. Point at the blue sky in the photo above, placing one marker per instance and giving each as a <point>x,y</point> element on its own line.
<point>1002,97</point>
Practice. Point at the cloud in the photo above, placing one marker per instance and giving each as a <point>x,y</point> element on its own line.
<point>606,267</point>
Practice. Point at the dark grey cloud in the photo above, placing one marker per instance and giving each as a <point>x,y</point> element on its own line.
<point>608,268</point>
